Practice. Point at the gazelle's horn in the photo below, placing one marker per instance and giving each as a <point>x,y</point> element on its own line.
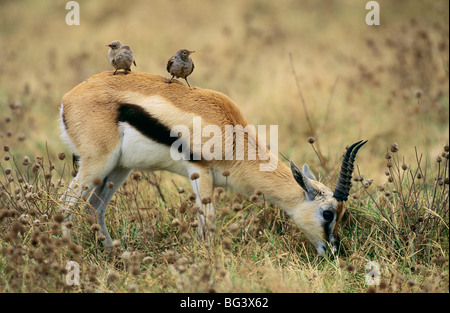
<point>345,176</point>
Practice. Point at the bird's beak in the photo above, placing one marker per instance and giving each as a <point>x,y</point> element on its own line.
<point>108,45</point>
<point>190,52</point>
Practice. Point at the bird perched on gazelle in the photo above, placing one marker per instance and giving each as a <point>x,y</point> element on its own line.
<point>120,57</point>
<point>181,65</point>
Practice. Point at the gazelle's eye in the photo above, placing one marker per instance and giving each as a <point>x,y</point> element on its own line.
<point>328,215</point>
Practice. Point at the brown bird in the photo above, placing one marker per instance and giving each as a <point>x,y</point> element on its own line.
<point>120,57</point>
<point>181,65</point>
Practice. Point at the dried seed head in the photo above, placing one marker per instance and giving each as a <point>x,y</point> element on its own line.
<point>58,218</point>
<point>195,176</point>
<point>234,227</point>
<point>192,196</point>
<point>148,259</point>
<point>439,159</point>
<point>112,278</point>
<point>226,210</point>
<point>383,285</point>
<point>227,243</point>
<point>97,181</point>
<point>311,140</point>
<point>136,175</point>
<point>5,148</point>
<point>76,249</point>
<point>350,268</point>
<point>220,190</point>
<point>404,167</point>
<point>236,207</point>
<point>175,222</point>
<point>90,219</point>
<point>206,200</point>
<point>184,227</point>
<point>183,207</point>
<point>95,228</point>
<point>194,209</point>
<point>226,173</point>
<point>394,147</point>
<point>212,228</point>
<point>126,256</point>
<point>446,148</point>
<point>61,156</point>
<point>367,183</point>
<point>181,190</point>
<point>418,93</point>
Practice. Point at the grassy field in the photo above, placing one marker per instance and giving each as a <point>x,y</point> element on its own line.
<point>280,61</point>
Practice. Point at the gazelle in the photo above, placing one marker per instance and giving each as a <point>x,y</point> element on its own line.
<point>118,123</point>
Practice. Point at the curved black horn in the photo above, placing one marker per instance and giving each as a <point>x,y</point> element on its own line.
<point>345,176</point>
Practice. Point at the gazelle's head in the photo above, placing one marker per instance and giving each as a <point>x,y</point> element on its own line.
<point>320,213</point>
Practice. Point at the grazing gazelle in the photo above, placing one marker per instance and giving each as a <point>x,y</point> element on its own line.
<point>116,124</point>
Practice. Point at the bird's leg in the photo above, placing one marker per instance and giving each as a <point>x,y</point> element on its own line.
<point>187,82</point>
<point>115,72</point>
<point>170,81</point>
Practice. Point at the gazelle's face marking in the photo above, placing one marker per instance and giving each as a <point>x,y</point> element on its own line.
<point>318,219</point>
<point>319,214</point>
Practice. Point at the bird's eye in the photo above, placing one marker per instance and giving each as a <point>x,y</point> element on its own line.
<point>328,215</point>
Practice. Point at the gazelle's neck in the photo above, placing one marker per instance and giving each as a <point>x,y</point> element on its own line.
<point>278,186</point>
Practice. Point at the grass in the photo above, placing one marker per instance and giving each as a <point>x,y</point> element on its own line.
<point>278,62</point>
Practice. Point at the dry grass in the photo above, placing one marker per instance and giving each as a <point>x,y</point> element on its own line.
<point>386,84</point>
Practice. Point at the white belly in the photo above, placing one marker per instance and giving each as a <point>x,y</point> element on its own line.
<point>141,153</point>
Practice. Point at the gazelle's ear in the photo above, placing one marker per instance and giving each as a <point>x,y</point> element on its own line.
<point>303,180</point>
<point>307,172</point>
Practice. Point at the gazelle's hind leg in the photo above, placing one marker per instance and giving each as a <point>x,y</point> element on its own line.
<point>102,195</point>
<point>70,200</point>
<point>83,184</point>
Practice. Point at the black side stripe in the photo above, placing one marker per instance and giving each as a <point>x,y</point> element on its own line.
<point>146,124</point>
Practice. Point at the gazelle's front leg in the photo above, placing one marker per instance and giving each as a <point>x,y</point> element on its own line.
<point>202,185</point>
